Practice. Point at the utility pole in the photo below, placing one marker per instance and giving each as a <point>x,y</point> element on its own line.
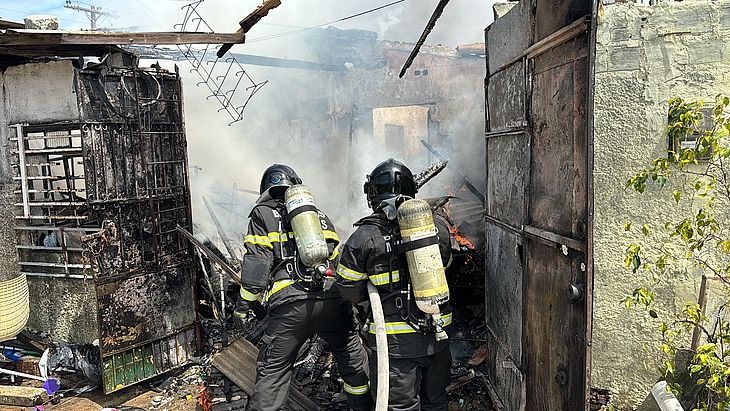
<point>93,13</point>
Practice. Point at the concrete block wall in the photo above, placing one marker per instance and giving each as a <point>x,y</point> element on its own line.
<point>645,56</point>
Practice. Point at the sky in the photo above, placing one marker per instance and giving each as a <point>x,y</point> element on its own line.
<point>463,21</point>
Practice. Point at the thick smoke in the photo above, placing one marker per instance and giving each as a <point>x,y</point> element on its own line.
<point>227,157</point>
<point>463,21</point>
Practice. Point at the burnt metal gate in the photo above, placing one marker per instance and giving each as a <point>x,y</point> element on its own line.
<point>135,158</point>
<point>101,196</point>
<point>539,204</point>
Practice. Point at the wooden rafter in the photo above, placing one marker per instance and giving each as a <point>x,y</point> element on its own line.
<point>22,37</point>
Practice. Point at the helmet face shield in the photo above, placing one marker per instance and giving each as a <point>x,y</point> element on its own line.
<point>391,183</point>
<point>276,178</point>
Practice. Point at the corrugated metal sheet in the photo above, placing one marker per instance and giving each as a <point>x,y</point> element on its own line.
<point>238,363</point>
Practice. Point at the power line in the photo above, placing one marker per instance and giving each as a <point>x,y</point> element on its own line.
<point>28,13</point>
<point>92,12</point>
<point>289,33</point>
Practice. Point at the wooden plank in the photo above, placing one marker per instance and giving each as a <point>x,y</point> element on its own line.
<point>7,24</point>
<point>22,396</point>
<point>508,174</point>
<point>238,363</point>
<point>504,313</point>
<point>554,239</point>
<point>211,255</point>
<point>555,325</point>
<point>559,37</point>
<point>249,21</point>
<point>555,330</point>
<point>58,37</point>
<point>508,92</point>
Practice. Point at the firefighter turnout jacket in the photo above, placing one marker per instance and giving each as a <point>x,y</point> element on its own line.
<point>368,255</point>
<point>296,311</point>
<point>268,269</point>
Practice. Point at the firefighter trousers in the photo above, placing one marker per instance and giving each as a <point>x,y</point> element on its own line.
<point>416,383</point>
<point>290,325</point>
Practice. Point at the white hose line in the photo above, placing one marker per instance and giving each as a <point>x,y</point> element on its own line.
<point>381,342</point>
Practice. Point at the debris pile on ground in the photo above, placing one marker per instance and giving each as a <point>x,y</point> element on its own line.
<point>187,386</point>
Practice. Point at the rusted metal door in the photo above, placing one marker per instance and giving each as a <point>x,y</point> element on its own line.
<point>539,199</point>
<point>135,160</point>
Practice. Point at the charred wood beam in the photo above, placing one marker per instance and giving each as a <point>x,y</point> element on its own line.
<point>7,24</point>
<point>254,60</point>
<point>431,24</point>
<point>210,254</point>
<point>559,37</point>
<point>250,20</point>
<point>219,228</point>
<point>553,238</point>
<point>478,194</point>
<point>432,171</point>
<point>58,37</point>
<point>25,53</point>
<point>285,63</point>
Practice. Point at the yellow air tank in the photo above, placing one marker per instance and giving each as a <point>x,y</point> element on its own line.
<point>306,224</point>
<point>427,273</point>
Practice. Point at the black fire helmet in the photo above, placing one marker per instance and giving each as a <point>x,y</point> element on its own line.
<point>387,180</point>
<point>277,178</point>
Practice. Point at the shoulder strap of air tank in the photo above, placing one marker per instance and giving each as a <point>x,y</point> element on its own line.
<point>402,247</point>
<point>374,220</point>
<point>301,209</point>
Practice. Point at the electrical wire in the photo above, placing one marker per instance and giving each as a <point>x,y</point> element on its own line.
<point>292,32</point>
<point>27,13</point>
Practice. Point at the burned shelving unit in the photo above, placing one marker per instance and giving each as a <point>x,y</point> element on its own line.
<point>101,197</point>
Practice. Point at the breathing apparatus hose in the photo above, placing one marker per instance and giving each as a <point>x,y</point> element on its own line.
<point>381,342</point>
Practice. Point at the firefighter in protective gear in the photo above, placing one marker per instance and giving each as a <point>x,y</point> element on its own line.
<point>419,363</point>
<point>297,309</point>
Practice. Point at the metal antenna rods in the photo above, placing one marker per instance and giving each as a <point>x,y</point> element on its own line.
<point>223,78</point>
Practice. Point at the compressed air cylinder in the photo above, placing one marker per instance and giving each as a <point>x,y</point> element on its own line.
<point>306,224</point>
<point>427,273</point>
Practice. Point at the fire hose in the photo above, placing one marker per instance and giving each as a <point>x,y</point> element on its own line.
<point>381,342</point>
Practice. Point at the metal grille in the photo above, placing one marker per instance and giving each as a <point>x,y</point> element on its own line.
<point>147,360</point>
<point>51,201</point>
<point>138,185</point>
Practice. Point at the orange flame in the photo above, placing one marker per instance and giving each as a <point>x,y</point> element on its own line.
<point>461,239</point>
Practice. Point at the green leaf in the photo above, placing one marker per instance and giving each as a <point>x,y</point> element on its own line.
<point>627,226</point>
<point>677,195</point>
<point>653,314</point>
<point>635,262</point>
<point>725,245</point>
<point>645,229</point>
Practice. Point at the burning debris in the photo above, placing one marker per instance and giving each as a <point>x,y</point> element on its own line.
<point>432,171</point>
